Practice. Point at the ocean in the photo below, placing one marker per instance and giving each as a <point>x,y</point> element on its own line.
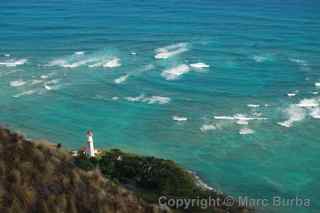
<point>228,89</point>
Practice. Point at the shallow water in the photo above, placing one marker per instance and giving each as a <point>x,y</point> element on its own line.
<point>129,69</point>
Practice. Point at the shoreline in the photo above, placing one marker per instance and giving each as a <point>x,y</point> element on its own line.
<point>149,176</point>
<point>75,152</point>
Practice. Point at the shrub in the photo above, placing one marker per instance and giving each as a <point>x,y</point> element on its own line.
<point>41,178</point>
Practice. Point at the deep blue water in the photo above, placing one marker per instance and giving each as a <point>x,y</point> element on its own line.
<point>228,89</point>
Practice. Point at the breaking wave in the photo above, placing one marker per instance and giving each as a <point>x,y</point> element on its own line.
<point>28,92</point>
<point>294,114</point>
<point>79,59</point>
<point>171,50</point>
<point>260,59</point>
<point>17,83</point>
<point>199,65</point>
<point>291,94</point>
<point>175,72</point>
<point>246,131</point>
<point>110,63</point>
<point>79,53</point>
<point>13,62</point>
<point>239,117</point>
<point>121,79</point>
<point>149,100</point>
<point>207,127</point>
<point>298,112</point>
<point>299,61</point>
<point>179,118</point>
<point>253,105</point>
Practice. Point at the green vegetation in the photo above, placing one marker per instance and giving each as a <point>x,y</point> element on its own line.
<point>42,178</point>
<point>151,177</point>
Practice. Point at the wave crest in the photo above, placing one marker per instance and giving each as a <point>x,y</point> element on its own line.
<point>175,72</point>
<point>13,62</point>
<point>121,79</point>
<point>171,50</point>
<point>149,100</point>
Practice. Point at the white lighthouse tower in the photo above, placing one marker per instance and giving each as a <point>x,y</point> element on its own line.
<point>90,149</point>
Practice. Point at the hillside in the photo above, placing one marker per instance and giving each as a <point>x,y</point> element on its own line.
<point>152,178</point>
<point>39,178</point>
<point>45,178</point>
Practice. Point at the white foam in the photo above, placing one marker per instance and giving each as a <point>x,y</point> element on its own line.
<point>253,105</point>
<point>295,114</point>
<point>308,103</point>
<point>199,65</point>
<point>73,62</point>
<point>315,113</point>
<point>13,63</point>
<point>115,62</point>
<point>53,81</point>
<point>298,112</point>
<point>66,64</point>
<point>285,123</point>
<point>165,55</point>
<point>299,61</point>
<point>149,100</point>
<point>36,81</point>
<point>224,117</point>
<point>107,63</point>
<point>241,117</point>
<point>257,114</point>
<point>207,127</point>
<point>95,65</point>
<point>260,59</point>
<point>115,98</point>
<point>44,76</point>
<point>133,53</point>
<point>171,50</point>
<point>315,93</point>
<point>179,118</point>
<point>148,67</point>
<point>7,55</point>
<point>76,64</point>
<point>47,87</point>
<point>17,83</point>
<point>175,72</point>
<point>52,84</point>
<point>79,53</point>
<point>246,131</point>
<point>80,59</point>
<point>242,122</point>
<point>135,99</point>
<point>317,84</point>
<point>51,87</point>
<point>157,99</point>
<point>292,94</point>
<point>200,183</point>
<point>29,92</point>
<point>172,47</point>
<point>121,79</point>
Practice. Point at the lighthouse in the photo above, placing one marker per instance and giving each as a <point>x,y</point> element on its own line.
<point>90,149</point>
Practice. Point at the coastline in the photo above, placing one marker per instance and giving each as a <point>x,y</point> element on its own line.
<point>74,152</point>
<point>180,179</point>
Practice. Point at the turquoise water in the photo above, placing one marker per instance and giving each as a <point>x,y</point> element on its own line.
<point>228,89</point>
